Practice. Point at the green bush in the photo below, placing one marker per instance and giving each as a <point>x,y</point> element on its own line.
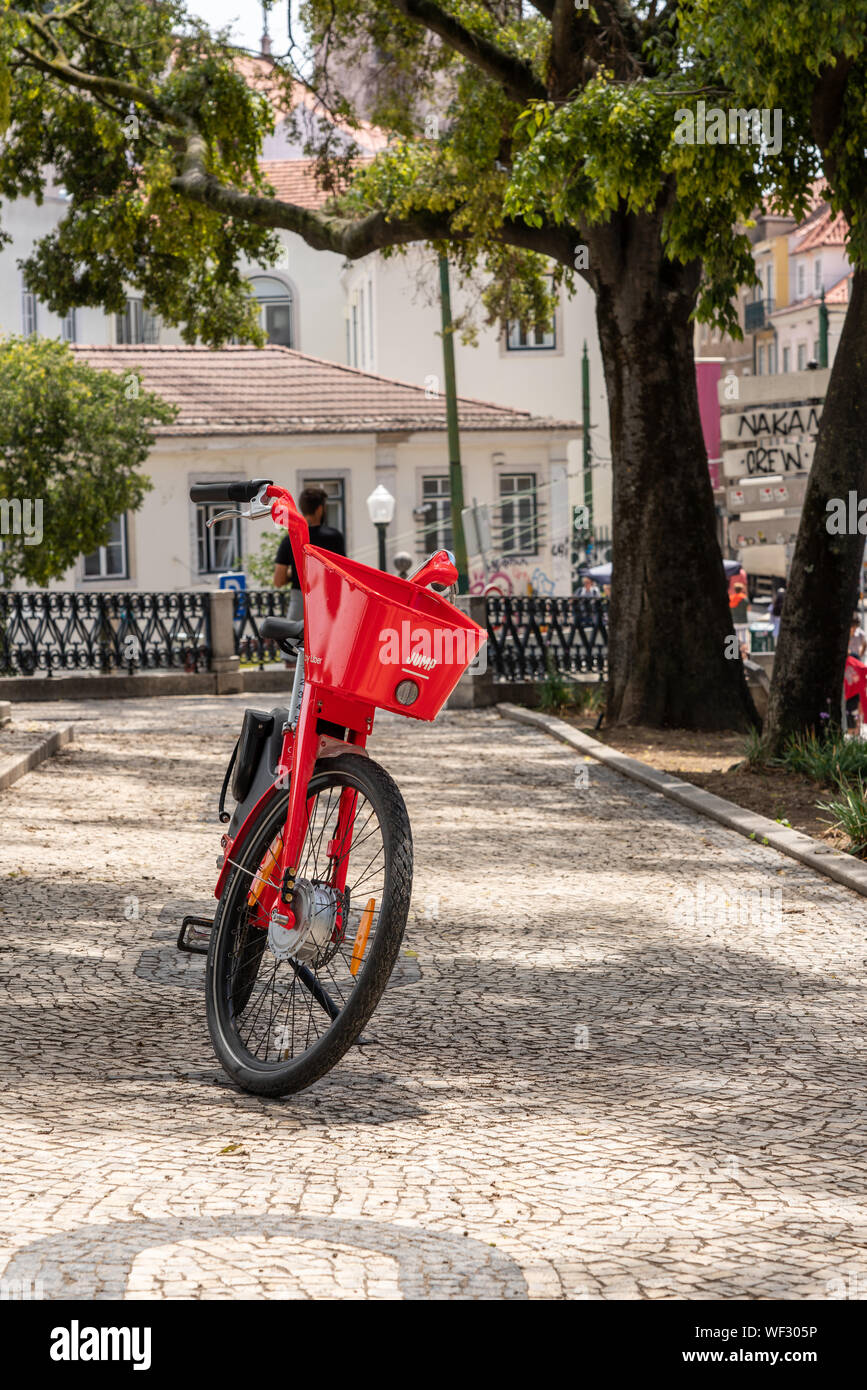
<point>757,755</point>
<point>260,565</point>
<point>829,759</point>
<point>564,692</point>
<point>849,814</point>
<point>556,689</point>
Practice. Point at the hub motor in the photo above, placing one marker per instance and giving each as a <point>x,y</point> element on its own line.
<point>315,937</point>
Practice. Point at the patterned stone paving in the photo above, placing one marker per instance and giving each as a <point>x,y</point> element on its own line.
<point>605,1074</point>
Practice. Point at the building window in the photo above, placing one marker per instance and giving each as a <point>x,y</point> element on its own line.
<point>801,275</point>
<point>67,327</point>
<point>802,357</point>
<point>335,507</point>
<point>785,359</point>
<point>817,275</point>
<point>529,338</point>
<point>518,514</point>
<point>136,325</point>
<point>523,337</point>
<point>109,560</point>
<point>436,523</point>
<point>275,309</point>
<point>219,547</point>
<point>760,361</point>
<point>772,359</point>
<point>28,313</point>
<point>769,283</point>
<point>815,349</point>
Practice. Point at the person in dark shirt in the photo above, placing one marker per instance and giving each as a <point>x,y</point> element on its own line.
<point>311,505</point>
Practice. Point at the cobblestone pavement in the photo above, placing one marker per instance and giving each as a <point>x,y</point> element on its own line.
<point>591,1079</point>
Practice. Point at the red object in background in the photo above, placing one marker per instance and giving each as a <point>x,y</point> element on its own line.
<point>707,375</point>
<point>855,682</point>
<point>739,577</point>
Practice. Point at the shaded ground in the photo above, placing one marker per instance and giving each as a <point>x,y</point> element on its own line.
<point>603,1073</point>
<point>716,763</point>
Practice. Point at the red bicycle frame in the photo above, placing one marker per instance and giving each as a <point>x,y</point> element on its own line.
<point>371,640</point>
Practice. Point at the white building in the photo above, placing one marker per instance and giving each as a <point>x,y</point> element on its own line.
<point>380,315</point>
<point>246,412</point>
<point>818,264</point>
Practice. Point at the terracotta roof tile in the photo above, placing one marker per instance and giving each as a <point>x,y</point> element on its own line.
<point>822,228</point>
<point>286,96</point>
<point>815,198</point>
<point>839,293</point>
<point>275,390</point>
<point>294,181</point>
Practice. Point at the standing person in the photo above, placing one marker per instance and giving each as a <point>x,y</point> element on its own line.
<point>739,577</point>
<point>739,606</point>
<point>589,589</point>
<point>311,505</point>
<point>857,639</point>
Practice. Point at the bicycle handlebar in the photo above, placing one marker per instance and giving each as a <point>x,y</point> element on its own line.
<point>227,492</point>
<point>439,568</point>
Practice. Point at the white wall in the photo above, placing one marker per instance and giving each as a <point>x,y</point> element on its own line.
<point>801,325</point>
<point>407,346</point>
<point>162,534</point>
<point>401,340</point>
<point>27,223</point>
<point>313,279</point>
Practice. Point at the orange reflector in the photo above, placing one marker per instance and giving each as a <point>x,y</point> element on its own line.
<point>265,869</point>
<point>361,936</point>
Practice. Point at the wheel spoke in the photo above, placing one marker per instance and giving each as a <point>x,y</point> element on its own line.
<point>284,1007</point>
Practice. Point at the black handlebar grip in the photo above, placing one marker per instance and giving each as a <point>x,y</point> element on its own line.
<point>227,492</point>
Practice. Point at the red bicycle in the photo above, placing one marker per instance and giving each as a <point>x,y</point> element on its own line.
<point>316,873</point>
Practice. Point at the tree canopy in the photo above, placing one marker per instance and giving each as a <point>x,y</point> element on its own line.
<point>520,132</point>
<point>72,440</point>
<point>513,129</point>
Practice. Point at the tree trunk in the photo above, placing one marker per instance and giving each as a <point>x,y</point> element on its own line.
<point>669,661</point>
<point>823,584</point>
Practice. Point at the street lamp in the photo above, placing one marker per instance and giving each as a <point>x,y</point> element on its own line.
<point>402,562</point>
<point>380,509</point>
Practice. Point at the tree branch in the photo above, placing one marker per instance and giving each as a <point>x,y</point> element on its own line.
<point>65,72</point>
<point>354,237</point>
<point>516,76</point>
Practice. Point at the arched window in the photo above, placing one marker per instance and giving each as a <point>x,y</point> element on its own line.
<point>276,309</point>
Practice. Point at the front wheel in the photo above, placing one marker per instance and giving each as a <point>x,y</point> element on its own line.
<point>279,1022</point>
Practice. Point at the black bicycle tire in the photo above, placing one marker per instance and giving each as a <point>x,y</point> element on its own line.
<point>266,1079</point>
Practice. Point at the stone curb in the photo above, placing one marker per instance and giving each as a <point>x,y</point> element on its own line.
<point>26,762</point>
<point>831,862</point>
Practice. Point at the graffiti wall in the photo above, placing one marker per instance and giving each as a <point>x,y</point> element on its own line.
<point>518,574</point>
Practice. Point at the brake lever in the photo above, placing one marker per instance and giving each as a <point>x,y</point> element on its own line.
<point>258,507</point>
<point>221,516</point>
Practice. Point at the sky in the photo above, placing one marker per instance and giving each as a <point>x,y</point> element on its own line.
<point>245,18</point>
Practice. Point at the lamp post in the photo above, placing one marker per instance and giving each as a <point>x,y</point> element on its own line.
<point>456,477</point>
<point>380,509</point>
<point>823,331</point>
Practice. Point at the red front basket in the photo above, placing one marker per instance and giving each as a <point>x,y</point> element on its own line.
<point>385,641</point>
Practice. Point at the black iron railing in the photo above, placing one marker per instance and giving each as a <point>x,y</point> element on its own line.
<point>524,634</point>
<point>60,630</point>
<point>251,606</point>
